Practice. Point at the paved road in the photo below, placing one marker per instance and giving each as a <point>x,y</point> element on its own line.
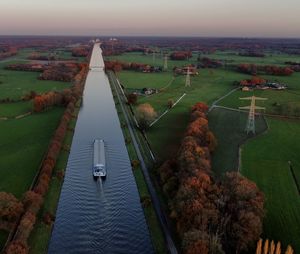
<point>155,201</point>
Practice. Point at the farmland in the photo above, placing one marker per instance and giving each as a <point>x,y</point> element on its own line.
<point>206,87</point>
<point>24,141</point>
<point>265,161</point>
<point>264,158</point>
<point>15,84</point>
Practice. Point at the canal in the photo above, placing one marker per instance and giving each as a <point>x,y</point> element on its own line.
<point>99,216</point>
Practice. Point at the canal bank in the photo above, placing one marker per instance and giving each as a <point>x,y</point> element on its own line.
<point>95,216</point>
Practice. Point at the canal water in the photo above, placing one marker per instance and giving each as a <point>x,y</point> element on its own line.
<point>99,216</point>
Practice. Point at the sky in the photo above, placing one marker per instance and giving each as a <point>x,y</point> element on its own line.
<point>217,18</point>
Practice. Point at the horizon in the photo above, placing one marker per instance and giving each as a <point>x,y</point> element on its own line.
<point>151,36</point>
<point>189,19</point>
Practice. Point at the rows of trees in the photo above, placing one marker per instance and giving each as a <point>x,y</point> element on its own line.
<point>181,55</point>
<point>26,67</point>
<point>255,80</point>
<point>82,51</point>
<point>7,51</point>
<point>253,69</point>
<point>60,72</point>
<point>252,53</point>
<point>212,216</point>
<point>33,199</point>
<point>118,66</point>
<point>57,72</point>
<point>206,62</point>
<point>54,98</point>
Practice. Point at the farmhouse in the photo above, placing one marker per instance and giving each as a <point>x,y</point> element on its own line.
<point>183,71</point>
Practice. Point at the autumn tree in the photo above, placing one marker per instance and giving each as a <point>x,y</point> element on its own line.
<point>10,208</point>
<point>132,98</point>
<point>17,247</point>
<point>25,226</point>
<point>32,201</point>
<point>170,103</point>
<point>145,114</point>
<point>211,216</point>
<point>200,106</point>
<point>244,202</point>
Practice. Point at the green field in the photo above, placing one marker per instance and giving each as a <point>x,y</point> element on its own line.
<point>137,57</point>
<point>23,144</point>
<point>25,141</point>
<point>231,57</point>
<point>14,109</point>
<point>16,84</point>
<point>139,80</point>
<point>270,58</point>
<point>230,136</point>
<point>265,161</point>
<point>288,100</point>
<point>61,53</point>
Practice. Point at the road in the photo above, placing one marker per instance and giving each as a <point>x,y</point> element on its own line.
<point>155,200</point>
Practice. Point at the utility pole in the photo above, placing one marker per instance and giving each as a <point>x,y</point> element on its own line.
<point>250,127</point>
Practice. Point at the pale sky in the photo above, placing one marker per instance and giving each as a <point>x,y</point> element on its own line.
<point>246,18</point>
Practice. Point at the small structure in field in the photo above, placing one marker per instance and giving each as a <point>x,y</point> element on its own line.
<point>192,70</point>
<point>260,84</point>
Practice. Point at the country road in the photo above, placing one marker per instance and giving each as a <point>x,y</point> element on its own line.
<point>155,201</point>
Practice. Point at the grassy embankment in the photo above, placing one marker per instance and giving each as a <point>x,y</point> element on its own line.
<point>23,141</point>
<point>150,215</point>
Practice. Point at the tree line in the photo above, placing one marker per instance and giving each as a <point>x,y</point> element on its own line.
<point>211,215</point>
<point>253,69</point>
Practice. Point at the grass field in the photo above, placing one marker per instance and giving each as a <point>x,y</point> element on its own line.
<point>270,58</point>
<point>23,143</point>
<point>15,84</point>
<point>139,80</point>
<point>229,136</point>
<point>230,56</point>
<point>15,109</point>
<point>289,99</point>
<point>137,57</point>
<point>60,53</point>
<point>265,161</point>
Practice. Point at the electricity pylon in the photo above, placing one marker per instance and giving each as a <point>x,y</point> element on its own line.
<point>188,77</point>
<point>251,117</point>
<point>165,62</point>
